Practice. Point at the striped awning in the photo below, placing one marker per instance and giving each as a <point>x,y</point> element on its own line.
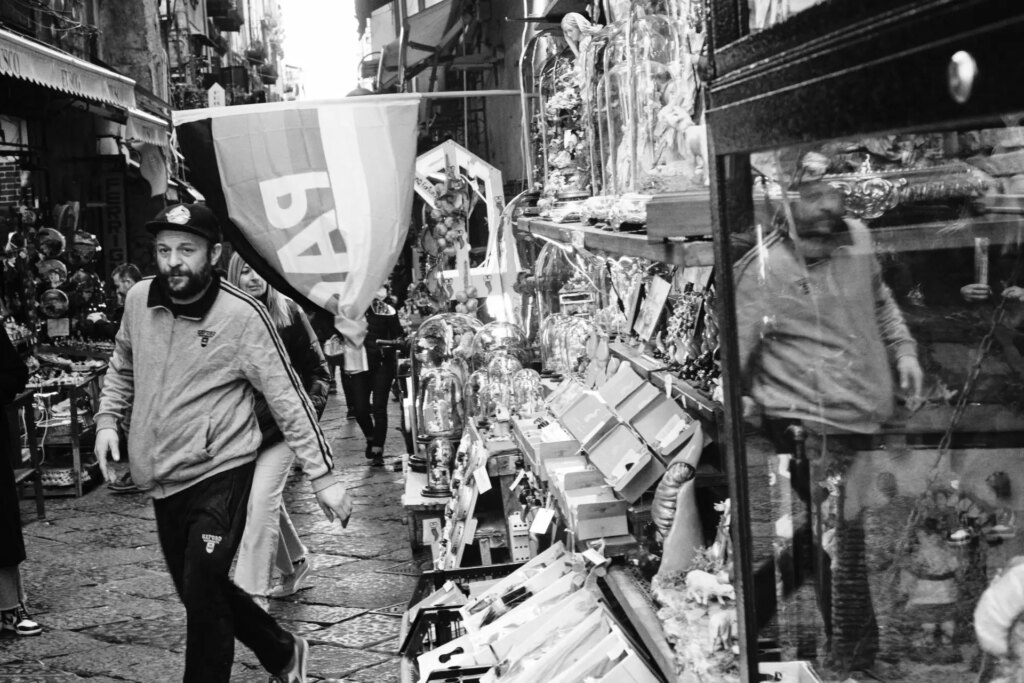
<point>145,127</point>
<point>49,67</point>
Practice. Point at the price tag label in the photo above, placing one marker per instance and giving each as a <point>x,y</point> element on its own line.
<point>448,586</point>
<point>542,521</point>
<point>552,432</point>
<point>668,385</point>
<point>483,482</point>
<point>594,557</point>
<point>517,480</point>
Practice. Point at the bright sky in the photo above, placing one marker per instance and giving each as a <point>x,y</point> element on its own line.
<point>320,37</point>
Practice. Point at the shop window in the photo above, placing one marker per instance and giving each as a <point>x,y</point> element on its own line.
<point>880,319</point>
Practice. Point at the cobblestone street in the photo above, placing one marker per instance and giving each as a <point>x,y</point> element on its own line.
<point>96,581</point>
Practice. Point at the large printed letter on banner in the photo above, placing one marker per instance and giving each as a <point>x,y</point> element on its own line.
<point>315,196</point>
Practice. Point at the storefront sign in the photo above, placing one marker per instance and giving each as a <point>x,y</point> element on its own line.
<point>215,96</point>
<point>22,58</point>
<point>115,226</point>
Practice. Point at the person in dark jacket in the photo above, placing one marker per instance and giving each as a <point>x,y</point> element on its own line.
<point>13,616</point>
<point>269,536</point>
<point>371,388</point>
<point>323,325</point>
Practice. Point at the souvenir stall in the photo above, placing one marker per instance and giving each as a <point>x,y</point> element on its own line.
<point>79,165</point>
<point>798,443</point>
<point>55,309</point>
<point>592,427</point>
<point>54,312</point>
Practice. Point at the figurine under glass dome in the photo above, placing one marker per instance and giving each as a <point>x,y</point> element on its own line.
<point>499,339</point>
<point>445,336</point>
<point>440,457</point>
<point>477,396</point>
<point>552,337</point>
<point>528,395</point>
<point>439,408</point>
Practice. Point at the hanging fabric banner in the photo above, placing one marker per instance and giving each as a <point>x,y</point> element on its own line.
<point>316,196</point>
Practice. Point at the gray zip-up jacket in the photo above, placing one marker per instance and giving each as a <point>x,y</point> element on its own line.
<point>189,380</point>
<point>817,343</point>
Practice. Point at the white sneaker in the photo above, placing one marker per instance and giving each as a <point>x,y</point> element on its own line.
<point>296,669</point>
<point>293,582</point>
<point>17,620</point>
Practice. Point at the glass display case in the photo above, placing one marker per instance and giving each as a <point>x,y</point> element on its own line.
<point>869,299</point>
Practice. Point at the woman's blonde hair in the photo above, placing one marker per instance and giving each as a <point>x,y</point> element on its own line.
<point>277,303</point>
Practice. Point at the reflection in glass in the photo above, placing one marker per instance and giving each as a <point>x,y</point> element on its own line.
<point>879,314</point>
<point>767,13</point>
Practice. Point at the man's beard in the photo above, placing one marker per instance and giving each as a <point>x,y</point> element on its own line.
<point>182,283</point>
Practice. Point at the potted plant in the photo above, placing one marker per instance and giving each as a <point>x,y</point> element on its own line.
<point>256,53</point>
<point>268,73</point>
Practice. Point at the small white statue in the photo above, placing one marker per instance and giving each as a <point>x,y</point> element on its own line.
<point>702,586</point>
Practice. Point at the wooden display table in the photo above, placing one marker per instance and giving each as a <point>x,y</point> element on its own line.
<point>89,387</point>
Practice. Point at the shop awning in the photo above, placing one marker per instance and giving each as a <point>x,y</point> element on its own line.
<point>30,61</point>
<point>432,34</point>
<point>145,127</point>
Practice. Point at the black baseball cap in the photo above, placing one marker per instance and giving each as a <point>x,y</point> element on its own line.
<point>194,218</point>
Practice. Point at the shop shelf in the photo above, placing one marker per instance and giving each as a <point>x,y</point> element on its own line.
<point>689,397</point>
<point>676,251</point>
<point>679,215</point>
<point>999,228</point>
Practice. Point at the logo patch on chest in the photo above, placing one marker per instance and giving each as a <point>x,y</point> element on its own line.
<point>205,336</point>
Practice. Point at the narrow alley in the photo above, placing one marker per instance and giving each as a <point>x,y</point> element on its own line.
<point>96,581</point>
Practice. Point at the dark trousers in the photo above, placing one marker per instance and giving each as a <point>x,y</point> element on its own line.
<point>370,391</point>
<point>842,587</point>
<point>199,530</point>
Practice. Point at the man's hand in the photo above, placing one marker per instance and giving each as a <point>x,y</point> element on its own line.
<point>107,442</point>
<point>1016,293</point>
<point>336,503</point>
<point>911,377</point>
<point>976,292</point>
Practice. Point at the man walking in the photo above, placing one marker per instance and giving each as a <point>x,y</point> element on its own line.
<point>190,353</point>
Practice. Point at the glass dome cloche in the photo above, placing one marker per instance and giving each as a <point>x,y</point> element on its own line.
<point>528,395</point>
<point>502,369</point>
<point>499,339</point>
<point>443,337</point>
<point>439,406</point>
<point>477,395</point>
